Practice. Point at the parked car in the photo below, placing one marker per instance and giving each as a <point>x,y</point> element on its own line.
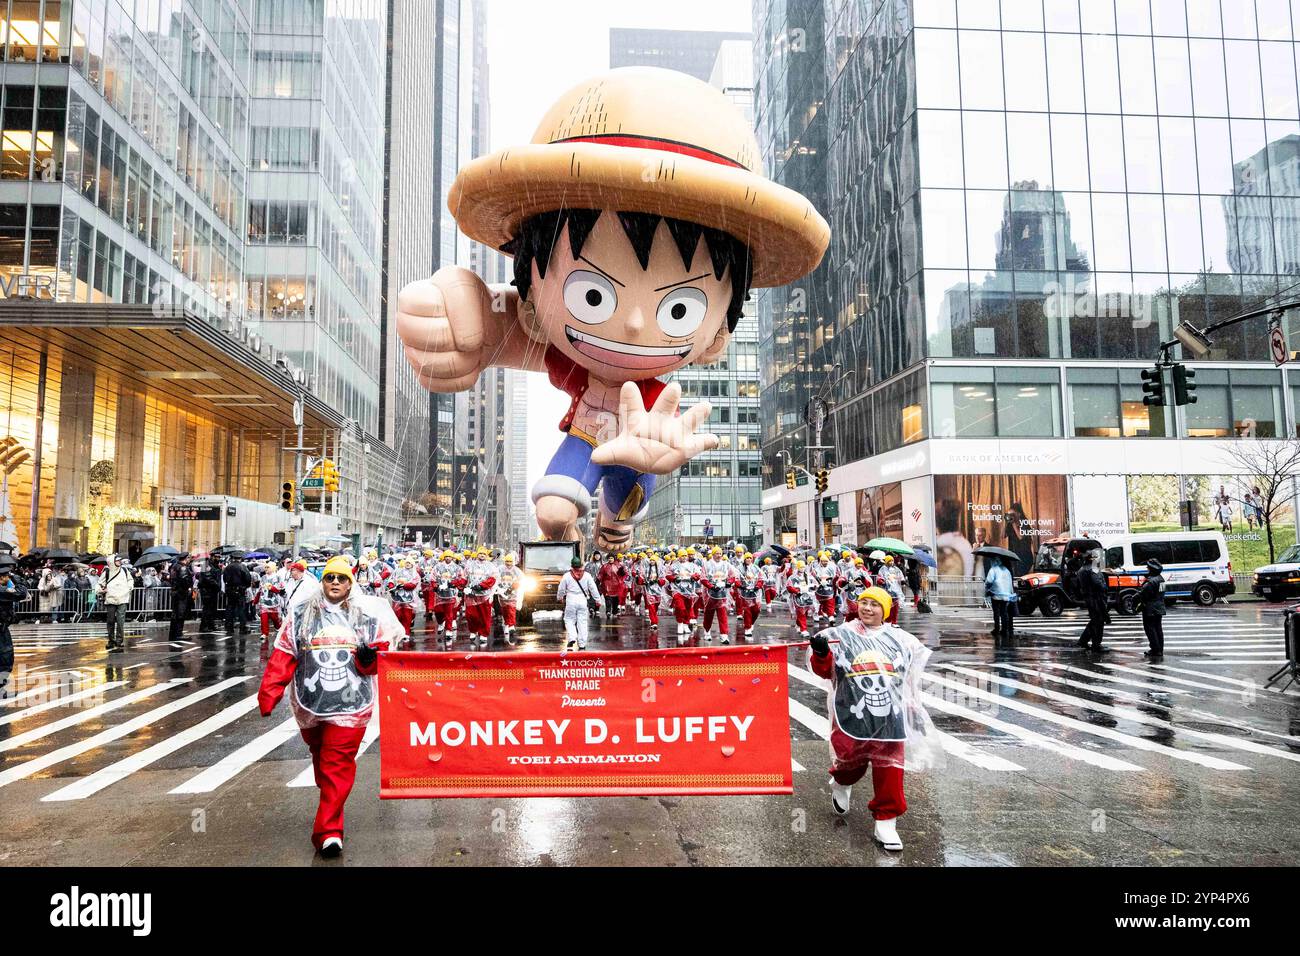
<point>1279,581</point>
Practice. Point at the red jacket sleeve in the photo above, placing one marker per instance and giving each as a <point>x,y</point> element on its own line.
<point>823,665</point>
<point>279,671</point>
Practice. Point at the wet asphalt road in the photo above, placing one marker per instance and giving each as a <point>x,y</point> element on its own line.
<point>159,757</point>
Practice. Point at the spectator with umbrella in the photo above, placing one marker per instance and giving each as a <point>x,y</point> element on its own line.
<point>51,591</point>
<point>12,592</point>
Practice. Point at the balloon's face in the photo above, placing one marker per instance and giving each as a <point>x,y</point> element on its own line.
<point>624,323</point>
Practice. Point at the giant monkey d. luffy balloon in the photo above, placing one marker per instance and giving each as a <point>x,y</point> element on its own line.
<point>638,219</point>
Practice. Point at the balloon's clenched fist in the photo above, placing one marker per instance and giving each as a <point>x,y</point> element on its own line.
<point>448,328</point>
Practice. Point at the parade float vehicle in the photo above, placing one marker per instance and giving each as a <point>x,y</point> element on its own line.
<point>543,564</point>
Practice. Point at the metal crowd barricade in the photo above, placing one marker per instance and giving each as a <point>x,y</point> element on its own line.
<point>78,606</point>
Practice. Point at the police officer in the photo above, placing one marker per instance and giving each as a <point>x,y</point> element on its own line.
<point>1092,584</point>
<point>1151,600</point>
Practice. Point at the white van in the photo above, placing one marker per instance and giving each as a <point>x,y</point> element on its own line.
<point>1195,563</point>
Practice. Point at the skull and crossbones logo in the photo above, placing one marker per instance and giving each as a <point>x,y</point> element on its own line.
<point>872,674</point>
<point>331,650</point>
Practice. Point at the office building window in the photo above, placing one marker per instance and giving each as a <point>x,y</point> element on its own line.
<point>1107,403</point>
<point>986,402</point>
<point>1235,403</point>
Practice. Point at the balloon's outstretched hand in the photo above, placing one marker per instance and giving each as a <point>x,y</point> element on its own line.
<point>656,441</point>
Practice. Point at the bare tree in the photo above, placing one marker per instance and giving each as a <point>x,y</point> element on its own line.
<point>1271,465</point>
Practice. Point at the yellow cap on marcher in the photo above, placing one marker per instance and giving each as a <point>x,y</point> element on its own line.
<point>880,596</point>
<point>339,565</point>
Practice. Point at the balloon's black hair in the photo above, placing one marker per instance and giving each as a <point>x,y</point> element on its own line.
<point>537,236</point>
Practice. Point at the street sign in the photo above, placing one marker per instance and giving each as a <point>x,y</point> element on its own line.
<point>317,482</point>
<point>830,508</point>
<point>1277,345</point>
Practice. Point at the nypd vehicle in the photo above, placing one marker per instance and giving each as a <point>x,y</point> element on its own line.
<point>1196,566</point>
<point>1279,581</point>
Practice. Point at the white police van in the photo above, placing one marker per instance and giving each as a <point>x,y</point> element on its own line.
<point>1196,565</point>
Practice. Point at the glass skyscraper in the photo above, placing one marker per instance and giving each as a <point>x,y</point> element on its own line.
<point>1025,198</point>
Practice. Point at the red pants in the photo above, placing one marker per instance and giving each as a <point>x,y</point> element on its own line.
<point>652,605</point>
<point>446,614</point>
<point>769,595</point>
<point>508,610</point>
<point>712,607</point>
<point>826,606</point>
<point>698,607</point>
<point>406,614</point>
<point>270,620</point>
<point>885,757</point>
<point>428,602</point>
<point>801,617</point>
<point>748,613</point>
<point>478,618</point>
<point>893,613</point>
<point>334,760</point>
<point>683,608</point>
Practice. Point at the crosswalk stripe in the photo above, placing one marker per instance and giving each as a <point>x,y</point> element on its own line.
<point>1183,682</point>
<point>1105,761</point>
<point>235,763</point>
<point>1235,681</point>
<point>1126,713</point>
<point>1225,661</point>
<point>71,720</point>
<point>1139,743</point>
<point>60,702</point>
<point>37,764</point>
<point>1078,685</point>
<point>42,688</point>
<point>822,728</point>
<point>107,776</point>
<point>1117,680</point>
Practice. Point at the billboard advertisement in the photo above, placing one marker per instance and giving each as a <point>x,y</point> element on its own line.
<point>1009,511</point>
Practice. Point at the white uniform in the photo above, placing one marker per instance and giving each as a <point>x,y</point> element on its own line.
<point>575,592</point>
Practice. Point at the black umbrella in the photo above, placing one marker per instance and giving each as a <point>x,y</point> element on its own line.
<point>7,560</point>
<point>60,554</point>
<point>227,548</point>
<point>166,549</point>
<point>149,560</point>
<point>989,551</point>
<point>91,557</point>
<point>7,548</point>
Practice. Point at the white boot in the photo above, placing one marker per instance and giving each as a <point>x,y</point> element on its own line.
<point>724,639</point>
<point>331,847</point>
<point>749,632</point>
<point>840,796</point>
<point>887,835</point>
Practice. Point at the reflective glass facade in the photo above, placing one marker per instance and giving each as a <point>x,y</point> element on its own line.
<point>1049,183</point>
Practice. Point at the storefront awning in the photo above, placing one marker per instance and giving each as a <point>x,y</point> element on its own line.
<point>173,353</point>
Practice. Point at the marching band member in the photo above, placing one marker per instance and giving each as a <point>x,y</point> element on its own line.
<point>771,578</point>
<point>404,585</point>
<point>449,578</point>
<point>684,590</point>
<point>510,589</point>
<point>859,579</point>
<point>827,579</point>
<point>718,578</point>
<point>801,585</point>
<point>656,596</point>
<point>270,600</point>
<point>481,582</point>
<point>749,582</point>
<point>576,590</point>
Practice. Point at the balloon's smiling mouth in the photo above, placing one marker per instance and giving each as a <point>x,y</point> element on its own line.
<point>623,354</point>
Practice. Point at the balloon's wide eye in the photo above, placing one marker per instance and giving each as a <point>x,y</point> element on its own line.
<point>681,311</point>
<point>589,297</point>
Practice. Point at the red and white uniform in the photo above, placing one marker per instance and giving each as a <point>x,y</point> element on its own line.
<point>481,579</point>
<point>719,576</point>
<point>510,591</point>
<point>270,603</point>
<point>748,586</point>
<point>827,577</point>
<point>333,695</point>
<point>801,586</point>
<point>405,585</point>
<point>448,579</point>
<point>656,596</point>
<point>684,587</point>
<point>770,576</point>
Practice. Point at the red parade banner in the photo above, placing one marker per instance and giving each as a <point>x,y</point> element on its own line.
<point>624,723</point>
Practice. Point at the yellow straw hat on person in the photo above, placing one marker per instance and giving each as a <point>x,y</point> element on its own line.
<point>338,565</point>
<point>880,596</point>
<point>643,139</point>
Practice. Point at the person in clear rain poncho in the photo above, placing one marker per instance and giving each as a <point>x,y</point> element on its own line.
<point>874,705</point>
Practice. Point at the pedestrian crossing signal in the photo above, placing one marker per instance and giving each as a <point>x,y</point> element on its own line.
<point>823,480</point>
<point>790,478</point>
<point>1153,386</point>
<point>286,495</point>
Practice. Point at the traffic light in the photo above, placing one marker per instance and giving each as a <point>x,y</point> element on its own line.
<point>286,495</point>
<point>1184,385</point>
<point>1153,386</point>
<point>823,480</point>
<point>330,474</point>
<point>790,477</point>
